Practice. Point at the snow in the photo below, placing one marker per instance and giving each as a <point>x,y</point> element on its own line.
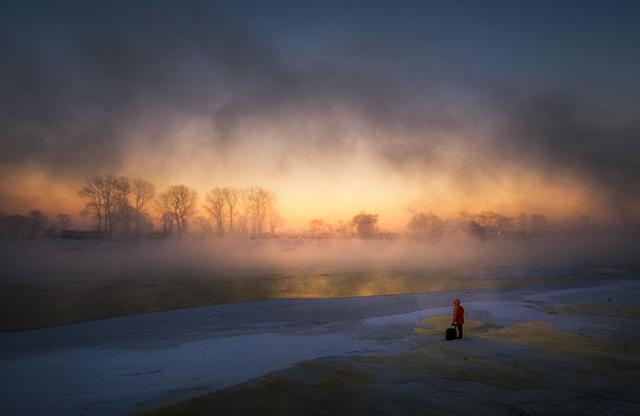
<point>118,365</point>
<point>112,366</point>
<point>112,381</point>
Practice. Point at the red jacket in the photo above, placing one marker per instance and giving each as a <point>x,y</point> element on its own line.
<point>458,314</point>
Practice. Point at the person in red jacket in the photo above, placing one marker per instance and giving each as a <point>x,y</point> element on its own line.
<point>458,316</point>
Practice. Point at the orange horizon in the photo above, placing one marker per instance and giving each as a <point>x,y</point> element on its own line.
<point>301,199</point>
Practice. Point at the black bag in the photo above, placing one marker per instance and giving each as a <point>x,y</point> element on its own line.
<point>451,334</point>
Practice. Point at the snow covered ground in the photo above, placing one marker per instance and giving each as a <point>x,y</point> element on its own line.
<point>119,365</point>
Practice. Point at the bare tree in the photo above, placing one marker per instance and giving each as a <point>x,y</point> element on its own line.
<point>161,204</point>
<point>123,206</point>
<point>94,206</point>
<point>366,225</point>
<point>275,219</point>
<point>143,193</point>
<point>232,199</point>
<point>215,205</point>
<point>167,223</point>
<point>244,212</point>
<point>260,204</point>
<point>114,201</point>
<point>107,201</point>
<point>180,202</point>
<point>255,206</point>
<point>110,189</point>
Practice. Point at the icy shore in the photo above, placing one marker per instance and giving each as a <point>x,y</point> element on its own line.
<point>120,365</point>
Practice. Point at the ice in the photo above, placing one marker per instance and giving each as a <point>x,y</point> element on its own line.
<point>113,381</point>
<point>118,365</point>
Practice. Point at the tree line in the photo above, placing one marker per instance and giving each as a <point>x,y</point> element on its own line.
<point>121,206</point>
<point>485,225</point>
<point>117,204</point>
<point>362,225</point>
<point>33,225</point>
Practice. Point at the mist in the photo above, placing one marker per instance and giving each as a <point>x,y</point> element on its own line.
<point>200,93</point>
<point>234,258</point>
<point>294,207</point>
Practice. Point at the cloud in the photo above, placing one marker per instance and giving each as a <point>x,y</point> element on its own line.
<point>561,132</point>
<point>73,96</point>
<point>85,85</point>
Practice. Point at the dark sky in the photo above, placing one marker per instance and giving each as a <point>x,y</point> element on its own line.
<point>547,87</point>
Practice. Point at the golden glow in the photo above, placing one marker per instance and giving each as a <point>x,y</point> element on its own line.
<point>313,178</point>
<point>336,193</point>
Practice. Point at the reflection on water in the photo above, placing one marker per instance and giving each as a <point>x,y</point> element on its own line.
<point>31,306</point>
<point>54,282</point>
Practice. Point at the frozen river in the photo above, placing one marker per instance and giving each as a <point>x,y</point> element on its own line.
<point>119,365</point>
